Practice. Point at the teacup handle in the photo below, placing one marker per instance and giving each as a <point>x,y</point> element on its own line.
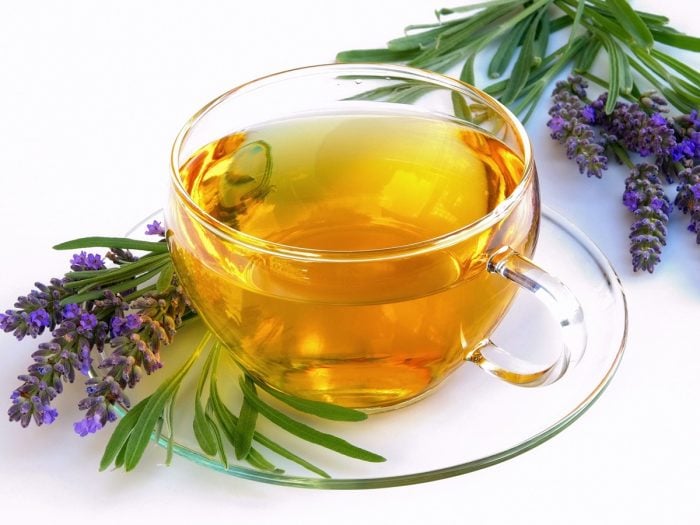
<point>562,304</point>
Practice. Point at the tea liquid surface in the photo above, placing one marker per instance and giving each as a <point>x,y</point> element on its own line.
<point>358,335</point>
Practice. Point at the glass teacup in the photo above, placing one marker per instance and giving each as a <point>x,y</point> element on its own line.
<point>354,233</point>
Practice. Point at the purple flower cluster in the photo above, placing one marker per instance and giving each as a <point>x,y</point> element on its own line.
<point>155,228</point>
<point>638,128</point>
<point>55,363</point>
<point>644,196</point>
<point>36,311</point>
<point>103,394</point>
<point>86,261</point>
<point>136,342</point>
<point>571,125</point>
<point>135,332</point>
<point>641,129</point>
<point>688,198</point>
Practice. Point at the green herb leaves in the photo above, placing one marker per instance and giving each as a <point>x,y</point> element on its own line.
<point>127,278</point>
<point>113,242</point>
<point>521,30</point>
<point>214,423</point>
<point>133,433</point>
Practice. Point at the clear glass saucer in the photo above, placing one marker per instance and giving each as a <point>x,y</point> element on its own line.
<point>473,420</point>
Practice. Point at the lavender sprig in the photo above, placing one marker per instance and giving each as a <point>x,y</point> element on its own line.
<point>671,146</point>
<point>55,363</point>
<point>639,128</point>
<point>644,196</point>
<point>38,310</point>
<point>571,125</point>
<point>137,338</point>
<point>81,327</point>
<point>688,198</point>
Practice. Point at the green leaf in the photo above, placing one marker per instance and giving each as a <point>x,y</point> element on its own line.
<point>467,74</point>
<point>112,242</point>
<point>685,70</point>
<point>422,39</point>
<point>256,459</point>
<point>585,59</point>
<point>462,42</point>
<point>471,7</point>
<point>110,275</point>
<point>169,419</point>
<point>217,434</point>
<point>676,39</point>
<point>317,408</point>
<point>542,40</point>
<point>462,111</point>
<point>375,55</point>
<point>245,429</point>
<point>120,435</point>
<point>560,23</point>
<point>166,278</point>
<point>141,434</point>
<point>631,22</point>
<point>119,460</point>
<point>401,92</point>
<point>228,421</point>
<point>626,80</point>
<point>121,287</point>
<point>577,20</point>
<point>616,74</point>
<point>202,429</point>
<point>505,51</point>
<point>307,433</point>
<point>521,71</point>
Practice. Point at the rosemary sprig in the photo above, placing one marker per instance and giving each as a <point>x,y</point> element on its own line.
<point>521,30</point>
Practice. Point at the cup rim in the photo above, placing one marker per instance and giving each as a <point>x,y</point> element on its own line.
<point>442,241</point>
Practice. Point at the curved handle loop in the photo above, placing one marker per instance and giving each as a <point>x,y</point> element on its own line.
<point>562,305</point>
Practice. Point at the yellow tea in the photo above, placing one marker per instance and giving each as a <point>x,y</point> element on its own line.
<point>326,288</point>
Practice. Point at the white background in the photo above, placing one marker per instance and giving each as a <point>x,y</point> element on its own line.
<point>91,97</point>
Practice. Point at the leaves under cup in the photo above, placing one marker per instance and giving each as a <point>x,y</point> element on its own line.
<point>306,432</point>
<point>243,438</point>
<point>213,422</point>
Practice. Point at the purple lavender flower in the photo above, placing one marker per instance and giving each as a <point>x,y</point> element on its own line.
<point>155,228</point>
<point>686,148</point>
<point>571,125</point>
<point>686,152</point>
<point>87,322</point>
<point>86,426</point>
<point>588,114</point>
<point>38,310</point>
<point>688,198</point>
<point>635,129</point>
<point>86,261</point>
<point>33,400</point>
<point>55,362</point>
<point>125,325</point>
<point>50,415</point>
<point>103,394</point>
<point>136,342</point>
<point>645,197</point>
<point>72,311</point>
<point>687,129</point>
<point>39,318</point>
